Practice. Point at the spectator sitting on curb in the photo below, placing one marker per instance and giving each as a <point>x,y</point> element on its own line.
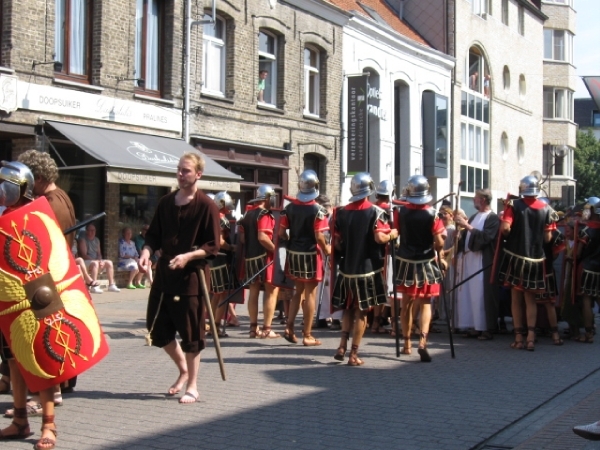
<point>89,250</point>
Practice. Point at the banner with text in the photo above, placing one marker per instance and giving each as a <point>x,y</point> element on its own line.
<point>358,145</point>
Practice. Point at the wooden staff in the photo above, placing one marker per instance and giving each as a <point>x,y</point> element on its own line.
<point>455,253</point>
<point>394,287</point>
<point>211,319</point>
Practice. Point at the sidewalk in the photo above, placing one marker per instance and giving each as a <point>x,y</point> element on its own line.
<point>284,396</point>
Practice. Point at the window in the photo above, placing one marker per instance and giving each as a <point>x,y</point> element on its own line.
<point>72,37</point>
<point>214,55</point>
<point>504,145</point>
<point>560,2</point>
<point>521,20</point>
<point>480,7</point>
<point>147,43</point>
<point>475,123</point>
<point>557,160</point>
<point>520,150</point>
<point>312,82</point>
<point>267,69</point>
<point>505,12</point>
<point>596,119</point>
<point>558,103</point>
<point>506,78</point>
<point>522,86</point>
<point>558,45</point>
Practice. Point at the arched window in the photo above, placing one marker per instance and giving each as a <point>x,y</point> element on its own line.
<point>312,81</point>
<point>318,163</point>
<point>267,68</point>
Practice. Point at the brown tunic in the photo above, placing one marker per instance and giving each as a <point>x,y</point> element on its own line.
<point>63,210</point>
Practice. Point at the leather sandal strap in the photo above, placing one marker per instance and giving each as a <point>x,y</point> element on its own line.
<point>48,419</point>
<point>20,413</point>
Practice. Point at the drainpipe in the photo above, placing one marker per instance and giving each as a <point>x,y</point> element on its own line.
<point>186,62</point>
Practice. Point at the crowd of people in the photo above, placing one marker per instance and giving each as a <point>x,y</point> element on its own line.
<point>351,262</point>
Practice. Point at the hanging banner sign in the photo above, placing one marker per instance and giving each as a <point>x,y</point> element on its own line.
<point>358,142</point>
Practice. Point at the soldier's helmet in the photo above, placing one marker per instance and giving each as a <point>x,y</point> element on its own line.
<point>224,200</point>
<point>417,190</point>
<point>386,187</point>
<point>13,176</point>
<point>594,204</point>
<point>308,186</point>
<point>361,186</point>
<point>529,186</point>
<point>265,192</point>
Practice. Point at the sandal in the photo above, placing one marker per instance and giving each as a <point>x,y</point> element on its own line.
<point>530,343</point>
<point>423,353</point>
<point>310,341</point>
<point>353,359</point>
<point>485,336</point>
<point>267,333</point>
<point>340,354</point>
<point>93,284</point>
<point>254,334</point>
<point>556,337</point>
<point>518,344</point>
<point>289,335</point>
<point>47,443</point>
<point>587,338</point>
<point>23,431</point>
<point>407,348</point>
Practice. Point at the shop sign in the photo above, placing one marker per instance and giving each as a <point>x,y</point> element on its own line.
<point>164,179</point>
<point>69,102</point>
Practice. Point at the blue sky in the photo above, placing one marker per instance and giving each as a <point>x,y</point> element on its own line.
<point>586,42</point>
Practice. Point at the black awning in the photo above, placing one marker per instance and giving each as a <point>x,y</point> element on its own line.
<point>136,158</point>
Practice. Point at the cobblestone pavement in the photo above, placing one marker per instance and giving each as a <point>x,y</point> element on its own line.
<point>284,396</point>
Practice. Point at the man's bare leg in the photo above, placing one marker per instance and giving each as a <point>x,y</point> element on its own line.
<point>47,402</point>
<point>173,349</point>
<point>293,312</point>
<point>360,324</point>
<point>308,311</point>
<point>347,320</point>
<point>193,364</point>
<point>269,303</point>
<point>424,320</point>
<point>406,322</point>
<point>516,305</point>
<point>19,397</point>
<point>253,293</point>
<point>531,311</point>
<point>376,325</point>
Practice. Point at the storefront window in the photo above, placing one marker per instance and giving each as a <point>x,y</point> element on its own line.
<point>138,203</point>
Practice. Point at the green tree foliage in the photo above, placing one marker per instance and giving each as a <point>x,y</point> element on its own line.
<point>587,165</point>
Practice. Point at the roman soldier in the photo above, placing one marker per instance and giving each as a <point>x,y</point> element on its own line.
<point>361,231</point>
<point>220,273</point>
<point>527,224</point>
<point>418,276</point>
<point>50,331</point>
<point>307,221</point>
<point>257,236</point>
<point>383,196</point>
<point>588,268</point>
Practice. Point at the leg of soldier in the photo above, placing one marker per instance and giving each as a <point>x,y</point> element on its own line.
<point>19,425</point>
<point>347,319</point>
<point>588,320</point>
<point>516,306</point>
<point>253,294</point>
<point>308,311</point>
<point>269,302</point>
<point>48,437</point>
<point>360,324</point>
<point>289,334</point>
<point>553,320</point>
<point>376,327</point>
<point>406,321</point>
<point>173,349</point>
<point>425,319</point>
<point>531,311</point>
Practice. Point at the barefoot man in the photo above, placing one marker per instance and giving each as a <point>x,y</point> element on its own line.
<point>186,229</point>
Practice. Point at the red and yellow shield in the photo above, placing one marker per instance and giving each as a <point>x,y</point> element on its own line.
<point>46,312</point>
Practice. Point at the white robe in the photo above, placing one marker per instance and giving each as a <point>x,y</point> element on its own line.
<point>470,308</point>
